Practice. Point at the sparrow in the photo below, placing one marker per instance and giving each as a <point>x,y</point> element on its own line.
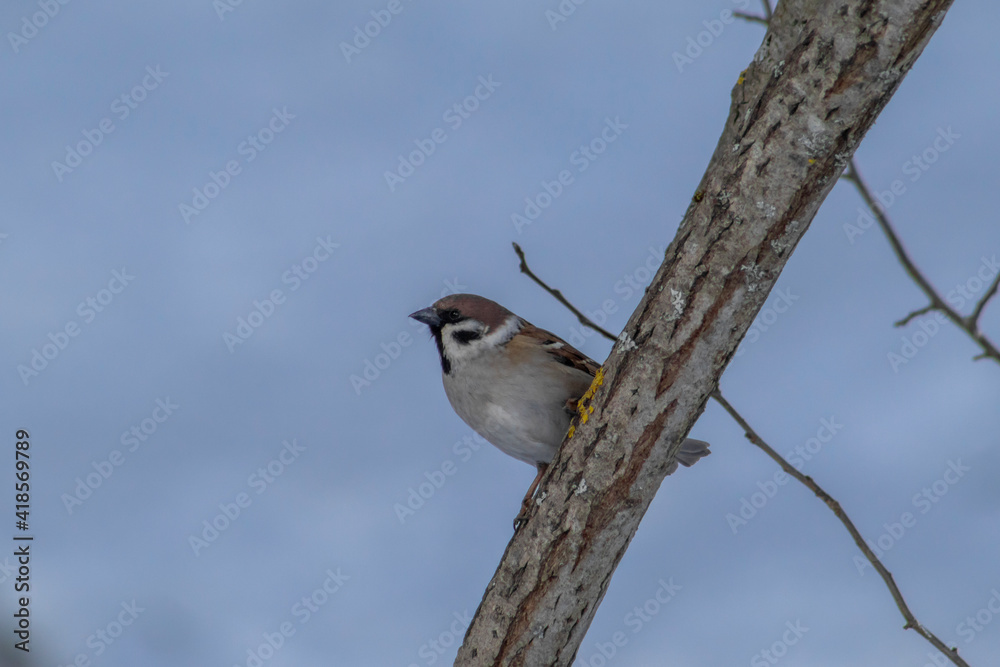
<point>514,384</point>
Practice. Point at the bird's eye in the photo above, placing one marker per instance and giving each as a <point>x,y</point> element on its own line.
<point>453,315</point>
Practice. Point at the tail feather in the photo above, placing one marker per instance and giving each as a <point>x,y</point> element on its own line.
<point>691,452</point>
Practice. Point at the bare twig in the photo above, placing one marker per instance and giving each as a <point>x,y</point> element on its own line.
<point>911,621</point>
<point>974,317</point>
<point>917,313</point>
<point>768,12</point>
<point>752,18</point>
<point>584,320</point>
<point>967,324</point>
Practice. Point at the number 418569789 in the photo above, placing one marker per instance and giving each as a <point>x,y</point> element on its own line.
<point>23,474</point>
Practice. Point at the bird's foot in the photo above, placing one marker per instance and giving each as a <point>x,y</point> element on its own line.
<point>522,516</point>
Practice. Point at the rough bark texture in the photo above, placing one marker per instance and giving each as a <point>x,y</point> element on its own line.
<point>825,70</point>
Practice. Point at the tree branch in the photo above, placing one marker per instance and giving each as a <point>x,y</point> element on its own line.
<point>752,18</point>
<point>768,12</point>
<point>583,319</point>
<point>970,324</point>
<point>835,507</point>
<point>967,324</point>
<point>897,595</point>
<point>821,77</point>
<point>917,313</point>
<point>973,319</point>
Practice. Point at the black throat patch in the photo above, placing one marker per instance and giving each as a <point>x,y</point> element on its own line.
<point>445,364</point>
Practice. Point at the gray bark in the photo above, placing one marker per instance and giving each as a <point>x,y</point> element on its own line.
<point>825,70</point>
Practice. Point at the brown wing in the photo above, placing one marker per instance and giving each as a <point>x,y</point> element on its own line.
<point>562,351</point>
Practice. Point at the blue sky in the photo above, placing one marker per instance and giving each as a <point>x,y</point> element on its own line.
<point>201,248</point>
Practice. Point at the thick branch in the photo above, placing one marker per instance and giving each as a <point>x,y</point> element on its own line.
<point>831,502</point>
<point>820,79</point>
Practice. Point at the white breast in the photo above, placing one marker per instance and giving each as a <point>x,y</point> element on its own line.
<point>516,408</point>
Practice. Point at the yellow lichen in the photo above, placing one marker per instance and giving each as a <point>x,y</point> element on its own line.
<point>739,81</point>
<point>582,404</point>
<point>582,408</point>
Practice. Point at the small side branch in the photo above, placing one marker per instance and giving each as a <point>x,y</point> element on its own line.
<point>967,324</point>
<point>974,317</point>
<point>917,313</point>
<point>584,320</point>
<point>752,18</point>
<point>911,621</point>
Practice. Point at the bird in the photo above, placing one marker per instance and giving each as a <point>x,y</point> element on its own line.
<point>513,383</point>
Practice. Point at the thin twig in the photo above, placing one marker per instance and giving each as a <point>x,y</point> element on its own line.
<point>911,621</point>
<point>584,320</point>
<point>768,12</point>
<point>752,18</point>
<point>917,313</point>
<point>904,609</point>
<point>969,324</point>
<point>974,317</point>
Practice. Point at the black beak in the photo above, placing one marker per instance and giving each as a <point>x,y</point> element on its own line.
<point>427,316</point>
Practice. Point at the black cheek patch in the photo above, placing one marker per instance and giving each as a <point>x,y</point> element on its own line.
<point>466,337</point>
